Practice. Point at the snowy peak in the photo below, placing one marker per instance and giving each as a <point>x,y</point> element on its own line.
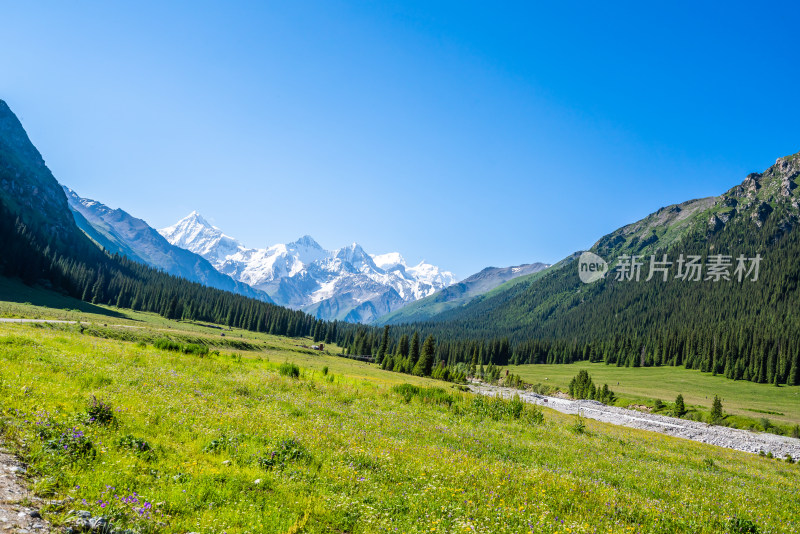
<point>347,283</point>
<point>306,242</point>
<point>357,257</point>
<point>197,235</point>
<point>389,261</point>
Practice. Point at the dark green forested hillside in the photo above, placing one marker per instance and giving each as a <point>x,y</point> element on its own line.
<point>746,330</point>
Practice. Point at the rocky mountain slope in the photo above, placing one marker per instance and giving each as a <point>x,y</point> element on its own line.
<point>120,233</point>
<point>346,284</point>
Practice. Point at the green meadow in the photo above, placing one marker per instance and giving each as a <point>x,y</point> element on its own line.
<point>243,441</point>
<point>645,384</point>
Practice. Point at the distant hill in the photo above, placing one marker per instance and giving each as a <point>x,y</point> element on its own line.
<point>459,294</point>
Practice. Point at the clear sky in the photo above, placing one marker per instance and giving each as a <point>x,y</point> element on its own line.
<point>467,134</point>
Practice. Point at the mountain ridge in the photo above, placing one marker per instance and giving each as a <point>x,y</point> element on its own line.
<point>345,284</point>
<point>119,232</point>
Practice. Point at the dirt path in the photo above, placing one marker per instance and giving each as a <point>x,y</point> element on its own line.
<point>55,321</point>
<point>732,438</point>
<point>18,507</point>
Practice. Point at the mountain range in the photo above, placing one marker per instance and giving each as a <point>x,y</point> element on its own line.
<point>345,284</point>
<point>120,233</point>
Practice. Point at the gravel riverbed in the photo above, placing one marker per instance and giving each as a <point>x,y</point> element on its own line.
<point>731,438</point>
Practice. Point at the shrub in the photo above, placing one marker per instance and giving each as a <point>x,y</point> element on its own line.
<point>496,408</point>
<point>427,395</point>
<point>796,431</point>
<point>194,348</point>
<point>225,442</point>
<point>740,525</point>
<point>100,413</point>
<point>325,370</point>
<point>579,427</point>
<point>533,415</point>
<point>658,404</point>
<point>71,444</point>
<point>289,369</point>
<point>166,344</point>
<point>285,451</point>
<point>139,446</point>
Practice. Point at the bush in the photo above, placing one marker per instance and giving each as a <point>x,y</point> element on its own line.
<point>289,369</point>
<point>71,444</point>
<point>658,404</point>
<point>194,348</point>
<point>496,408</point>
<point>100,413</point>
<point>225,442</point>
<point>139,446</point>
<point>739,525</point>
<point>579,427</point>
<point>325,370</point>
<point>289,450</point>
<point>166,344</point>
<point>427,395</point>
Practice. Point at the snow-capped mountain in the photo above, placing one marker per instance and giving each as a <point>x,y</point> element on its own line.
<point>347,283</point>
<point>120,233</point>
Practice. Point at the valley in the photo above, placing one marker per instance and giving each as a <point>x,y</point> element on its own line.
<point>235,440</point>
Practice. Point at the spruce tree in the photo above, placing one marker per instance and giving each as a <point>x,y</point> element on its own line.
<point>413,354</point>
<point>716,410</point>
<point>680,407</point>
<point>384,344</point>
<point>424,365</point>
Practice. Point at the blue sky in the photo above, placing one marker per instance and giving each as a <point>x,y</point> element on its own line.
<point>465,133</point>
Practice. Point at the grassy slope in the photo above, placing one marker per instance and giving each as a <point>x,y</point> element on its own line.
<point>666,383</point>
<point>374,462</point>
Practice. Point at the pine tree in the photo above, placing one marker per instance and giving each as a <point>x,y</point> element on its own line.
<point>680,407</point>
<point>402,348</point>
<point>384,344</point>
<point>716,410</point>
<point>425,364</point>
<point>413,354</point>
